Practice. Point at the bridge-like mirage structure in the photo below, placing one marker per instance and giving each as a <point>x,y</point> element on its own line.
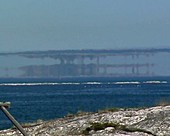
<point>89,63</point>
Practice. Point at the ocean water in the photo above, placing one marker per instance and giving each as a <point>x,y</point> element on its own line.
<point>34,99</point>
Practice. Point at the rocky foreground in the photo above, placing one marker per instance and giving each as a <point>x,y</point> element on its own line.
<point>153,121</point>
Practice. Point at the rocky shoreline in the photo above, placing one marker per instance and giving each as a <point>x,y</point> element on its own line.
<point>154,121</point>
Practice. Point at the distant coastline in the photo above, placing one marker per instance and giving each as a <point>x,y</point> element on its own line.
<point>85,63</point>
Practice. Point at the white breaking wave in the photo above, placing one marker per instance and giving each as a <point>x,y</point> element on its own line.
<point>136,82</point>
<point>84,83</point>
<point>145,82</point>
<point>92,83</point>
<point>155,82</point>
<point>35,84</point>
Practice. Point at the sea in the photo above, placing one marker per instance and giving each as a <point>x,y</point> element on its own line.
<point>35,99</point>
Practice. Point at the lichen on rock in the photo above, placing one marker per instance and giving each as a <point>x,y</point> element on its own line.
<point>154,121</point>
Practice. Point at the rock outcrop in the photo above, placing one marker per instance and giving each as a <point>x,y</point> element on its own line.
<point>153,121</point>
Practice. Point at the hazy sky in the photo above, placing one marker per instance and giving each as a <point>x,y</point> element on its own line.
<point>83,24</point>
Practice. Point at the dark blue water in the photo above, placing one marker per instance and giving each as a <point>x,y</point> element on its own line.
<point>34,99</point>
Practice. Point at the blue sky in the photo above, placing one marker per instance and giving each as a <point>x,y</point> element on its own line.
<point>83,24</point>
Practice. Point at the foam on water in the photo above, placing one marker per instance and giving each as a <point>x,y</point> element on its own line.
<point>84,83</point>
<point>136,82</point>
<point>144,82</point>
<point>92,83</point>
<point>48,83</point>
<point>35,84</point>
<point>155,82</point>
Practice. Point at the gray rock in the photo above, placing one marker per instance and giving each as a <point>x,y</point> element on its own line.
<point>153,121</point>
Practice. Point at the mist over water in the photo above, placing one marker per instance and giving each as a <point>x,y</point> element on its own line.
<point>93,64</point>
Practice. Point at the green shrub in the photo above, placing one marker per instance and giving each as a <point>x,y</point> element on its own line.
<point>114,109</point>
<point>98,126</point>
<point>102,126</point>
